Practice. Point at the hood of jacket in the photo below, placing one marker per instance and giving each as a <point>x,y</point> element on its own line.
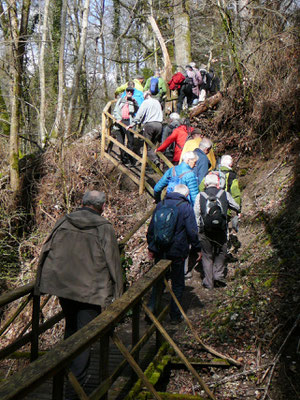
<point>85,218</point>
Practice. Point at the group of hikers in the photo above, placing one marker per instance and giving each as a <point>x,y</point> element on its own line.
<point>138,104</point>
<point>80,262</point>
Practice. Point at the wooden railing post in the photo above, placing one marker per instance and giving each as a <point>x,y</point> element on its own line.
<point>58,386</point>
<point>135,332</point>
<point>104,360</point>
<point>143,169</point>
<point>103,135</point>
<point>35,327</point>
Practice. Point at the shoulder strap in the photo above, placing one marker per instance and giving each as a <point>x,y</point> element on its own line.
<point>231,177</point>
<point>173,172</point>
<point>184,173</point>
<point>219,194</point>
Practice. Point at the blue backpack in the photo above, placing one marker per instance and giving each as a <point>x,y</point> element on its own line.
<point>175,180</point>
<point>165,220</point>
<point>154,85</point>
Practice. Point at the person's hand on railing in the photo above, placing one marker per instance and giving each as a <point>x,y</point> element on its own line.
<point>130,127</point>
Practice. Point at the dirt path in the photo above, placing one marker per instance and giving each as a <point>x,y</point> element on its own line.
<point>253,318</point>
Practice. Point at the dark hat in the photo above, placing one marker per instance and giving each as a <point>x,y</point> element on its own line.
<point>188,66</point>
<point>130,89</point>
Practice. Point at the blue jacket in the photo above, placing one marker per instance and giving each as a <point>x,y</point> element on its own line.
<point>137,95</point>
<point>202,166</point>
<point>189,180</point>
<point>186,231</point>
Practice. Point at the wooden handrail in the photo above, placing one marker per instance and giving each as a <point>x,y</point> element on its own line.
<point>54,362</point>
<point>12,295</point>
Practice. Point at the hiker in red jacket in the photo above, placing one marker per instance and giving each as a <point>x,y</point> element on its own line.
<point>179,136</point>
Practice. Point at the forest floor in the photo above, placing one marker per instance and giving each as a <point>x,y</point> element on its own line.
<point>254,319</point>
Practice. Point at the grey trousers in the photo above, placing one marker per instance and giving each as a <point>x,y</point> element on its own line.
<point>213,260</point>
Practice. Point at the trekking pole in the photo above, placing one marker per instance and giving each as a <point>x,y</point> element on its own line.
<point>195,334</point>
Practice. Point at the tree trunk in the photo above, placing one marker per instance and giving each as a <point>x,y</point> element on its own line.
<point>167,62</point>
<point>182,38</point>
<point>42,75</point>
<point>18,44</point>
<point>78,67</point>
<point>61,73</point>
<point>208,103</point>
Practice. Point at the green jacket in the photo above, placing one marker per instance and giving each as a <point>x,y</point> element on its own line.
<point>233,188</point>
<point>162,88</point>
<point>80,260</point>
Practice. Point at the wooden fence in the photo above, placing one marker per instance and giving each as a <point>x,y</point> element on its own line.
<point>107,122</point>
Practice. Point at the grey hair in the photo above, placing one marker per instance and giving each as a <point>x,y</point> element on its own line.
<point>205,144</point>
<point>94,198</point>
<point>182,189</point>
<point>174,115</point>
<point>189,155</point>
<point>226,161</point>
<point>211,180</point>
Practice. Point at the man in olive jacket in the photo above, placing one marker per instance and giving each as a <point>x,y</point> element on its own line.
<point>80,263</point>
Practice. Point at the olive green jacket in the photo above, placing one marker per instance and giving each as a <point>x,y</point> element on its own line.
<point>80,260</point>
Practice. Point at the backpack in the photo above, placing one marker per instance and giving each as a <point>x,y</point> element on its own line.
<point>175,180</point>
<point>154,85</point>
<point>165,220</point>
<point>213,217</point>
<point>176,81</point>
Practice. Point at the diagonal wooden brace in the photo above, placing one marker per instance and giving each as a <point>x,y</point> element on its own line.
<point>134,365</point>
<point>194,332</point>
<point>178,351</point>
<point>77,387</point>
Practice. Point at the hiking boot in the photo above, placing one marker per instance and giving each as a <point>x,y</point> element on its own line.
<point>220,283</point>
<point>188,275</point>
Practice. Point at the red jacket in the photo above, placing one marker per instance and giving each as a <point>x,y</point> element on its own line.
<point>179,136</point>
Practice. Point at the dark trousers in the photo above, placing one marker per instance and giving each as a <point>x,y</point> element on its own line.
<point>77,315</point>
<point>213,259</point>
<point>152,131</point>
<point>185,91</point>
<point>177,278</point>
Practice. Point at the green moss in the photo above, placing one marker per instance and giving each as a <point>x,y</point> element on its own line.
<point>153,372</point>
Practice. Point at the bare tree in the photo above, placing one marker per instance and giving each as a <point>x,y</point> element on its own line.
<point>78,67</point>
<point>42,75</point>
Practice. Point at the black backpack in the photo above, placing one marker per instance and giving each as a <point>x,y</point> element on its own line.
<point>213,217</point>
<point>165,220</point>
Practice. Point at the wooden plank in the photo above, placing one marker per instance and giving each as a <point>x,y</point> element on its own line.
<point>195,334</point>
<point>27,338</point>
<point>143,169</point>
<point>77,387</point>
<point>35,328</point>
<point>15,294</point>
<point>103,388</point>
<point>179,352</point>
<point>60,356</point>
<point>134,365</point>
<point>200,363</point>
<point>15,314</point>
